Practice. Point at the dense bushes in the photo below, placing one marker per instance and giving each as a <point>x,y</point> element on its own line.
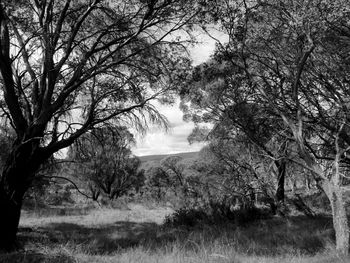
<point>214,213</point>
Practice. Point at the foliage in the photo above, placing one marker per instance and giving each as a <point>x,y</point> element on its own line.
<point>217,93</point>
<point>283,76</point>
<point>156,183</point>
<point>67,67</point>
<point>214,213</point>
<point>105,163</point>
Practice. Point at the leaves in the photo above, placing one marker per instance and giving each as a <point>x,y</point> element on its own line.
<point>105,161</point>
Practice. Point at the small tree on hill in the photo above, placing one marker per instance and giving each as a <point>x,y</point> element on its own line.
<point>105,162</point>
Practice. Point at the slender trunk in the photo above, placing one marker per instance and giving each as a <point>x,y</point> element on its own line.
<point>340,220</point>
<point>281,167</point>
<point>293,186</point>
<point>279,195</point>
<point>308,184</point>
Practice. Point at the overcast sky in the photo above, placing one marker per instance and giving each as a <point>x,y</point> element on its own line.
<point>156,141</point>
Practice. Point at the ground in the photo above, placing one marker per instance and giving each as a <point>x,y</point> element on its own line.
<point>135,233</point>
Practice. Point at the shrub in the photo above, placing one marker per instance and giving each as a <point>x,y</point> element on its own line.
<point>214,213</point>
<point>186,217</point>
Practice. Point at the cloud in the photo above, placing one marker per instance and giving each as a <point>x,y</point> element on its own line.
<point>175,140</point>
<point>204,49</point>
<point>157,141</point>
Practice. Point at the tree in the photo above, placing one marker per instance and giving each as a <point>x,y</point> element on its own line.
<point>105,162</point>
<point>172,167</point>
<point>235,169</point>
<point>157,182</point>
<point>291,55</point>
<point>214,96</point>
<point>175,176</point>
<point>68,66</point>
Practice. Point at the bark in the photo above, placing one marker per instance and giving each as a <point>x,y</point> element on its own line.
<point>340,220</point>
<point>293,185</point>
<point>308,184</point>
<point>281,166</point>
<point>280,193</point>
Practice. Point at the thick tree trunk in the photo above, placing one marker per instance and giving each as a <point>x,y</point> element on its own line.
<point>340,220</point>
<point>16,178</point>
<point>9,220</point>
<point>331,185</point>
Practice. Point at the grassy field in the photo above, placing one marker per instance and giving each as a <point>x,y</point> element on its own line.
<point>136,234</point>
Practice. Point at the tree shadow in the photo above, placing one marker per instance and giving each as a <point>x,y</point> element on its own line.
<point>298,234</point>
<point>269,237</point>
<point>34,257</point>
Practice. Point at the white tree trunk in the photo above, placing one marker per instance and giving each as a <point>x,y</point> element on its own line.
<point>340,220</point>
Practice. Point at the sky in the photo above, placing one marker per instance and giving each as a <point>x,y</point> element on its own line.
<point>157,141</point>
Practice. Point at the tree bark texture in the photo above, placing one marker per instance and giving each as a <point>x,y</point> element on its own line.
<point>340,220</point>
<point>281,168</point>
<point>280,193</point>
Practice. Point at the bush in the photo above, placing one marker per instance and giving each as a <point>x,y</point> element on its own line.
<point>59,194</point>
<point>214,213</point>
<point>186,217</point>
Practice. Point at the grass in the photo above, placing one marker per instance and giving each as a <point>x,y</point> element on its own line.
<point>136,234</point>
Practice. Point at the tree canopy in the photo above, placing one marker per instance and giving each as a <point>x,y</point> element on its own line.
<point>104,162</point>
<point>69,66</point>
<point>284,72</point>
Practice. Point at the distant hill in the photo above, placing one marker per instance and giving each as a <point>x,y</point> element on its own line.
<point>158,158</point>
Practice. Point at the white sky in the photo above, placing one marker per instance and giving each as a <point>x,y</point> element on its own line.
<point>157,141</point>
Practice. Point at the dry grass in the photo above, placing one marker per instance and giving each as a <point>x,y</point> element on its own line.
<point>135,235</point>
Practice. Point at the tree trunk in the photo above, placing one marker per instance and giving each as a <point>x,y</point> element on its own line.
<point>341,227</point>
<point>9,220</point>
<point>308,183</point>
<point>279,195</point>
<point>293,185</point>
<point>281,167</point>
<point>340,220</point>
<point>16,178</point>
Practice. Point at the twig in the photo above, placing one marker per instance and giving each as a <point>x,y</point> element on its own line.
<point>70,181</point>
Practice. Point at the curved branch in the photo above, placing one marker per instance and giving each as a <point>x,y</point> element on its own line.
<point>70,181</point>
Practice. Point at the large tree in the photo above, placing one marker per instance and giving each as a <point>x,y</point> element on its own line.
<point>214,96</point>
<point>67,66</point>
<point>293,58</point>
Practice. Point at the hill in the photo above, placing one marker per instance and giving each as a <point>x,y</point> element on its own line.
<point>159,157</point>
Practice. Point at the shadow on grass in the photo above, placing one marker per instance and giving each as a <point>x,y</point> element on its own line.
<point>101,239</point>
<point>276,236</point>
<point>34,257</point>
<point>58,211</point>
<point>280,236</point>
